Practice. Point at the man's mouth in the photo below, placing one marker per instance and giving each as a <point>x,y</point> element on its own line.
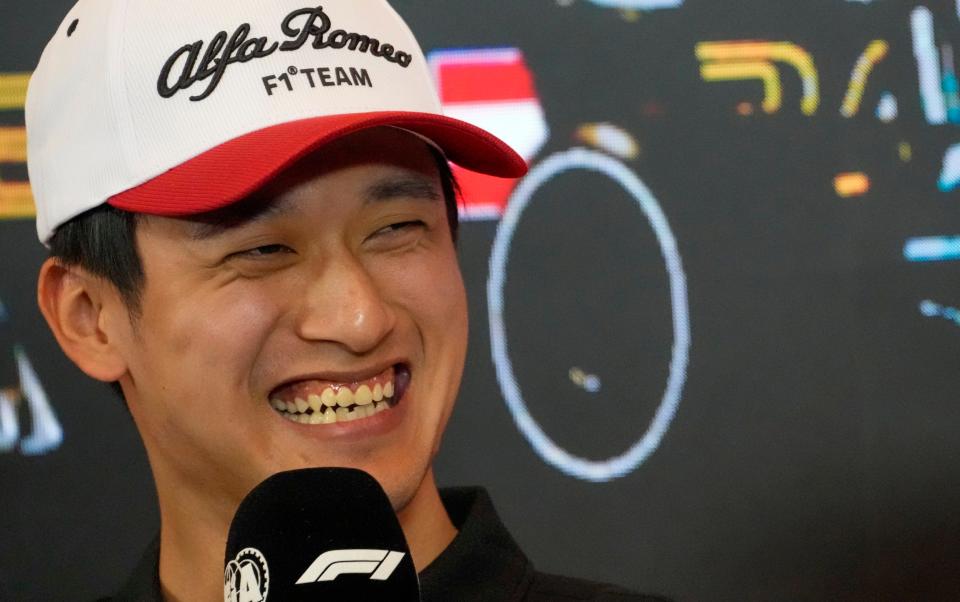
<point>322,402</point>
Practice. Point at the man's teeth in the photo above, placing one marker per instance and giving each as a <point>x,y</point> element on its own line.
<point>342,405</point>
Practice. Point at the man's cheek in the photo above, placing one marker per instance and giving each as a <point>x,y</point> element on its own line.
<point>213,337</point>
<point>430,288</point>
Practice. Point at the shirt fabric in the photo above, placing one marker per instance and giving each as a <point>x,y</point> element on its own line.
<point>482,564</point>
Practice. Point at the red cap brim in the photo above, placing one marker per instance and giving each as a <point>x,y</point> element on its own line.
<point>236,169</point>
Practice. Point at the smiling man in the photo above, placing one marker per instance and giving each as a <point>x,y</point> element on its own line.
<point>252,225</point>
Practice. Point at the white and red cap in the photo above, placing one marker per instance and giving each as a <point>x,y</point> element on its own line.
<point>179,107</point>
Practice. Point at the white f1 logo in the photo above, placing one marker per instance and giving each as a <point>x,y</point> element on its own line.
<point>379,564</point>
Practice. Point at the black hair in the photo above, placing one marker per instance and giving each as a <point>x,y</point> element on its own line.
<point>451,192</point>
<point>103,241</point>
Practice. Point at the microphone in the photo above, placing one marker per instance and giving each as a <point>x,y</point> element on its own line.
<point>318,534</point>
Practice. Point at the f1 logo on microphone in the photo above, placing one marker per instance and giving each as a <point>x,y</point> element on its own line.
<point>379,564</point>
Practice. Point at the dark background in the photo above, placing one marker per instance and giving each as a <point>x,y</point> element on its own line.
<point>814,455</point>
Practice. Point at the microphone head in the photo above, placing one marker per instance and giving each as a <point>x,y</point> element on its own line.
<point>318,534</point>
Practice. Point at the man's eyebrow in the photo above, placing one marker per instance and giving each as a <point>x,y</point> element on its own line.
<point>408,187</point>
<point>246,212</point>
<point>254,209</point>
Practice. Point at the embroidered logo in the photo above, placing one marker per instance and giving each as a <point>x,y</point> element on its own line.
<point>379,564</point>
<point>246,578</point>
<point>199,62</point>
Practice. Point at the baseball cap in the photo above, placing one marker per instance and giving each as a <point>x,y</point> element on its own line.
<point>179,107</point>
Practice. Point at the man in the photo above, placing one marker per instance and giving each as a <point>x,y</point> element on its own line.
<point>252,230</point>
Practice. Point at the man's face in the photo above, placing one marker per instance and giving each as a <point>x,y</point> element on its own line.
<point>268,331</point>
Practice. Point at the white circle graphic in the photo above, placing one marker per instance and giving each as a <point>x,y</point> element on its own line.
<point>553,454</point>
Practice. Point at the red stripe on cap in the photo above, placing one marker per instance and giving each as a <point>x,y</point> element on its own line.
<point>234,170</point>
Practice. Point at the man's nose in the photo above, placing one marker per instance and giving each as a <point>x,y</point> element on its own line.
<point>344,305</point>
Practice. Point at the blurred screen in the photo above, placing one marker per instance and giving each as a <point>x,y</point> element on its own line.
<point>714,332</point>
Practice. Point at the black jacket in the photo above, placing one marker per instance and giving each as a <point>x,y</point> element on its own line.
<point>482,564</point>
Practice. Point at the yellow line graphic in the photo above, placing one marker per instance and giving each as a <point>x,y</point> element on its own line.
<point>13,145</point>
<point>744,58</point>
<point>13,91</point>
<point>16,201</point>
<point>773,94</point>
<point>876,51</point>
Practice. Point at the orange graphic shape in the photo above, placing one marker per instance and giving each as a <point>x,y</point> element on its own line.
<point>16,201</point>
<point>13,145</point>
<point>851,184</point>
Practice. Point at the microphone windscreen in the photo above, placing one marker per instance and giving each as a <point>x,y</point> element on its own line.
<point>318,534</point>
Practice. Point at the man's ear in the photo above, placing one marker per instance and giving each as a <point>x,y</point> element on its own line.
<point>80,309</point>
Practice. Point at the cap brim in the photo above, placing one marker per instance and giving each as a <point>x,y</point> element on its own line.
<point>236,169</point>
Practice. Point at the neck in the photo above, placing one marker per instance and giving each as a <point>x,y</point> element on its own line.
<point>426,524</point>
<point>193,537</point>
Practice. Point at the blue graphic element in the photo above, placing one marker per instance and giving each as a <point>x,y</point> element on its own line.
<point>47,433</point>
<point>928,66</point>
<point>887,108</point>
<point>931,309</point>
<point>592,384</point>
<point>9,425</point>
<point>639,4</point>
<point>4,314</point>
<point>553,454</point>
<point>932,248</point>
<point>950,174</point>
<point>950,85</point>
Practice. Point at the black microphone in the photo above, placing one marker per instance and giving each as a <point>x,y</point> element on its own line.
<point>318,534</point>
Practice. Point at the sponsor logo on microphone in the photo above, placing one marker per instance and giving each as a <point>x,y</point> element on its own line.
<point>246,578</point>
<point>379,564</point>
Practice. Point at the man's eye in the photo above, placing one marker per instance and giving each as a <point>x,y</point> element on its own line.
<point>400,227</point>
<point>264,251</point>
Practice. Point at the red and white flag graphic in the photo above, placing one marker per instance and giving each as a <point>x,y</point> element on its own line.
<point>492,89</point>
